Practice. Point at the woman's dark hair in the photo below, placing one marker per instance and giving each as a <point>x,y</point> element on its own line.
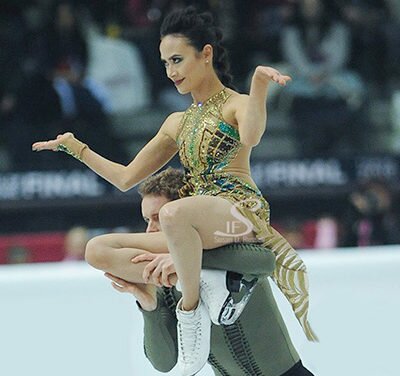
<point>199,29</point>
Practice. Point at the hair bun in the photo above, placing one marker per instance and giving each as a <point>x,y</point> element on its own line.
<point>199,29</point>
<point>207,19</point>
<point>218,34</point>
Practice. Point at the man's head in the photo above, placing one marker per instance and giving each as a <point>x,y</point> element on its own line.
<point>156,191</point>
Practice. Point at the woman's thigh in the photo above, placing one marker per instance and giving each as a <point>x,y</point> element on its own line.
<point>154,242</point>
<point>216,220</point>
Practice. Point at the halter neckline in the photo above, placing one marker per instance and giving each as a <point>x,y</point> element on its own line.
<point>201,104</point>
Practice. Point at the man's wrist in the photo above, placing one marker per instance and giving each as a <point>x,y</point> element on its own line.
<point>147,307</point>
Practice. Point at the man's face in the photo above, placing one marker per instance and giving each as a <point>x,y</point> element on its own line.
<point>151,205</point>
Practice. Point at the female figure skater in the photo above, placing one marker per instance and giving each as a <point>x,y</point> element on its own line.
<point>220,203</point>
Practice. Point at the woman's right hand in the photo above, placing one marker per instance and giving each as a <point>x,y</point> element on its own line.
<point>160,270</point>
<point>52,144</point>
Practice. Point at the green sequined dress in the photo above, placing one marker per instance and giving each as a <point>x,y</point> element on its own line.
<point>207,145</point>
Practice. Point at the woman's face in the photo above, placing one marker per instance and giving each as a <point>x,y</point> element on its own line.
<point>184,65</point>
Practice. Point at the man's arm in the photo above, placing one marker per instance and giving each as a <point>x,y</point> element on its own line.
<point>158,309</point>
<point>160,342</point>
<point>249,259</point>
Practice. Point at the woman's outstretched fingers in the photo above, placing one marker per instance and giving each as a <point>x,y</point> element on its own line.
<point>281,79</point>
<point>45,145</point>
<point>37,146</point>
<point>40,145</point>
<point>272,74</point>
<point>51,144</point>
<point>284,79</point>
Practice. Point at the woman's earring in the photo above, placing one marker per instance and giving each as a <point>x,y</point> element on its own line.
<point>207,61</point>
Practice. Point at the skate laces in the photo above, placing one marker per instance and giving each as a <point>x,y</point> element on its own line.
<point>190,331</point>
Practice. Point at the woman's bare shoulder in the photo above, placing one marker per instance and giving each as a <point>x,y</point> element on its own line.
<point>171,124</point>
<point>233,103</point>
<point>237,98</point>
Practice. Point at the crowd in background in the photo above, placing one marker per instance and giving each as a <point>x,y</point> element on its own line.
<point>80,66</point>
<point>72,65</point>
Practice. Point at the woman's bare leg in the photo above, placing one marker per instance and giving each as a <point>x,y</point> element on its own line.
<point>112,253</point>
<point>192,224</point>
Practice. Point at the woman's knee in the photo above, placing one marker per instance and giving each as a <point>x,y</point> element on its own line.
<point>97,254</point>
<point>172,215</point>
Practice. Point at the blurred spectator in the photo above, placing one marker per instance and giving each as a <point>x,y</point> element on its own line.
<point>375,39</point>
<point>75,244</point>
<point>291,229</point>
<point>65,46</point>
<point>18,255</point>
<point>119,67</point>
<point>137,22</point>
<point>63,54</point>
<point>65,57</point>
<point>320,233</point>
<point>263,22</point>
<point>57,96</point>
<point>326,96</point>
<point>326,232</point>
<point>12,44</point>
<point>144,19</point>
<point>141,24</point>
<point>371,217</point>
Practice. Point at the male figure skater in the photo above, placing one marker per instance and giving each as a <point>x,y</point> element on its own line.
<point>257,343</point>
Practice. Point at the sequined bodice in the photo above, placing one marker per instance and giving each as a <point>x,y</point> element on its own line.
<point>206,142</point>
<point>207,145</point>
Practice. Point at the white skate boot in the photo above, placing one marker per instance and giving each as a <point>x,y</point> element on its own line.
<point>194,332</point>
<point>216,287</point>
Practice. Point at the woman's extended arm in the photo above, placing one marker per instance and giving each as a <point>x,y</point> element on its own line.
<point>251,111</point>
<point>155,154</point>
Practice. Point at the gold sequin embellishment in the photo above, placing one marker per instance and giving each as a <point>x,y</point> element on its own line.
<point>207,144</point>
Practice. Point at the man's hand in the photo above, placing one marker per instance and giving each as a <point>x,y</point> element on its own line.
<point>160,270</point>
<point>145,294</point>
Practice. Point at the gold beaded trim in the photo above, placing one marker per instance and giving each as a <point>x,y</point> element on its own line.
<point>67,150</point>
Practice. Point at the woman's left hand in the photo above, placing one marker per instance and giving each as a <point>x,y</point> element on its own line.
<point>267,74</point>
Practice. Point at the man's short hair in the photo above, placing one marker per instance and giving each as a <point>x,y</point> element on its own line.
<point>166,183</point>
